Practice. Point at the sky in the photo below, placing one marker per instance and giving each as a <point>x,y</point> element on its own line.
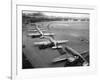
<point>60,14</point>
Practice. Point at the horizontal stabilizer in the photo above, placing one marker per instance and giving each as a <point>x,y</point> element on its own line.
<point>56,47</point>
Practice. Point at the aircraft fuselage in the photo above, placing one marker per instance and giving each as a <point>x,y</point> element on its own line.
<point>46,46</point>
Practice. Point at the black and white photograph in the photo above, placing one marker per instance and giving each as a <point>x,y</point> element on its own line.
<point>55,39</point>
<point>52,41</point>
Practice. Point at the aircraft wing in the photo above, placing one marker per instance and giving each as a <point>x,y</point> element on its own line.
<point>63,58</point>
<point>85,52</point>
<point>33,30</point>
<point>33,34</point>
<point>41,43</point>
<point>61,41</point>
<point>60,58</point>
<point>48,34</point>
<point>38,29</point>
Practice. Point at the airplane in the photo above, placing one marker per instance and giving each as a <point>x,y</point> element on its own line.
<point>34,30</point>
<point>55,44</point>
<point>72,55</point>
<point>63,58</point>
<point>40,33</point>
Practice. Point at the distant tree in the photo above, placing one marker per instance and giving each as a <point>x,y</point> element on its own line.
<point>38,14</point>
